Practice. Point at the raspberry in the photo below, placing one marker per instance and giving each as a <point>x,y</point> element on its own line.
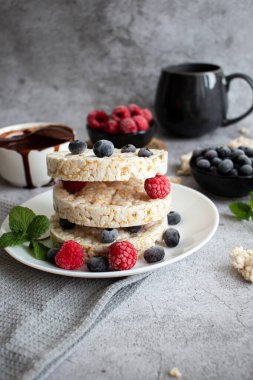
<point>141,122</point>
<point>112,127</point>
<point>120,112</point>
<point>134,109</point>
<point>157,187</point>
<point>70,255</point>
<point>73,186</point>
<point>147,114</point>
<point>97,119</point>
<point>122,255</point>
<point>128,126</point>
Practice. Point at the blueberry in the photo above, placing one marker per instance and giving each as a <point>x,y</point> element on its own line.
<point>233,173</point>
<point>199,158</point>
<point>210,154</point>
<point>134,229</point>
<point>243,160</point>
<point>245,170</point>
<point>66,225</point>
<point>171,237</point>
<point>129,148</point>
<point>154,254</point>
<point>51,253</point>
<point>173,218</point>
<point>223,151</point>
<point>145,152</point>
<point>197,152</point>
<point>235,153</point>
<point>77,147</point>
<point>203,164</point>
<point>108,235</point>
<point>242,147</point>
<point>215,161</point>
<point>225,166</point>
<point>98,264</point>
<point>249,152</point>
<point>103,148</point>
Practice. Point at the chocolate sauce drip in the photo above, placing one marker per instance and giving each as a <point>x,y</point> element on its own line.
<point>37,138</point>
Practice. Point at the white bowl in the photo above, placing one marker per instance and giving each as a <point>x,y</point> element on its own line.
<point>15,169</point>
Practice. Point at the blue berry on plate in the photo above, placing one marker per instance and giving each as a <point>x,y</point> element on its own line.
<point>173,218</point>
<point>51,253</point>
<point>243,160</point>
<point>171,237</point>
<point>65,224</point>
<point>210,154</point>
<point>203,164</point>
<point>98,264</point>
<point>145,152</point>
<point>129,148</point>
<point>245,170</point>
<point>154,254</point>
<point>108,235</point>
<point>223,151</point>
<point>225,166</point>
<point>103,148</point>
<point>77,147</point>
<point>134,229</point>
<point>216,161</point>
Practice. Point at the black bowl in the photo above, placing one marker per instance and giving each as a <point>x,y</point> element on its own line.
<point>224,186</point>
<point>139,139</point>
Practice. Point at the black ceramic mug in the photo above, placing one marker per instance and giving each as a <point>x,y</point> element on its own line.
<point>191,99</point>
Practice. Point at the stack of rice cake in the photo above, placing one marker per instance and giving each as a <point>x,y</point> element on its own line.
<point>113,197</point>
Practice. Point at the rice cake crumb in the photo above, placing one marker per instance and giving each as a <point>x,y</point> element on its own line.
<point>174,372</point>
<point>185,164</point>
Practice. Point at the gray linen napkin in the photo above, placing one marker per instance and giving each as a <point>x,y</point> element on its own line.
<point>44,316</point>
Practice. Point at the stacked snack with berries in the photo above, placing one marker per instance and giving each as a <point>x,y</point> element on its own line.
<point>111,205</point>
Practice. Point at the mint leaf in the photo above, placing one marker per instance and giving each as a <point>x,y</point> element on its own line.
<point>251,199</point>
<point>38,226</point>
<point>241,210</point>
<point>9,239</point>
<point>20,218</point>
<point>39,250</point>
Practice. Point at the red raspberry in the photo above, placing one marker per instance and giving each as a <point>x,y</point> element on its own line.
<point>120,112</point>
<point>157,187</point>
<point>128,126</point>
<point>134,109</point>
<point>112,127</point>
<point>122,255</point>
<point>70,256</point>
<point>97,119</point>
<point>147,114</point>
<point>73,186</point>
<point>141,122</point>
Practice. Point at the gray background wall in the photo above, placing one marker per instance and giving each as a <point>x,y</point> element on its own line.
<point>60,59</point>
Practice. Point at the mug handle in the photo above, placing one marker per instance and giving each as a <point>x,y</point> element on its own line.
<point>229,78</point>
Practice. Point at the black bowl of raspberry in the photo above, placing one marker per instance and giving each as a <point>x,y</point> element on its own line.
<point>125,124</point>
<point>139,139</point>
<point>223,171</point>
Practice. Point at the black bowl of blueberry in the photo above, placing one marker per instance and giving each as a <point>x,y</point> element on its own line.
<point>223,171</point>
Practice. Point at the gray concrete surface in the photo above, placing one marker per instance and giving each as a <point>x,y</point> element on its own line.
<point>59,59</point>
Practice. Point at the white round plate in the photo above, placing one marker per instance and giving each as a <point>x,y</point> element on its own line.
<point>199,222</point>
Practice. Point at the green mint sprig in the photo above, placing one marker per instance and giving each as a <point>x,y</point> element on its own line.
<point>25,226</point>
<point>243,211</point>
